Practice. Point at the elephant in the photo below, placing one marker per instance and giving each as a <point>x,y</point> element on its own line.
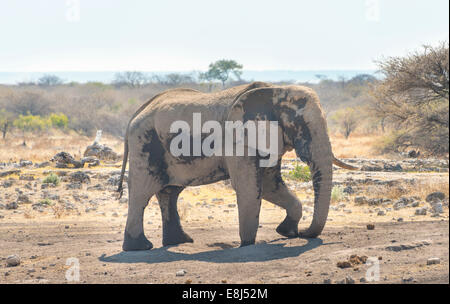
<point>154,170</point>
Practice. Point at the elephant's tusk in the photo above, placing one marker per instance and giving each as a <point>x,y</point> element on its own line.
<point>341,164</point>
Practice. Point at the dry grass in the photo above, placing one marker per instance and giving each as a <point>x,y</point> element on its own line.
<point>356,146</point>
<point>421,190</point>
<point>43,147</point>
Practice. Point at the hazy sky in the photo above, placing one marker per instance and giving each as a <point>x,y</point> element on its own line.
<point>105,35</point>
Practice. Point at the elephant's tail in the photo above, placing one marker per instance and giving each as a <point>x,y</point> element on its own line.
<point>124,165</point>
<point>341,164</point>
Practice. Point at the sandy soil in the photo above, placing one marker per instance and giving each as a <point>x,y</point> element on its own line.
<point>92,232</point>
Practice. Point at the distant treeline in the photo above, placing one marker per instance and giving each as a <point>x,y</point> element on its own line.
<point>409,103</point>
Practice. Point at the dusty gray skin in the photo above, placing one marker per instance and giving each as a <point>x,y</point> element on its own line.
<point>155,171</point>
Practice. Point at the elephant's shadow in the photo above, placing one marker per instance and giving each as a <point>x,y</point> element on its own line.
<point>254,253</point>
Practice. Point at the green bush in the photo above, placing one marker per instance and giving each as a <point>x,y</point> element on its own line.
<point>300,173</point>
<point>59,120</point>
<point>46,201</point>
<point>32,123</point>
<point>51,179</point>
<point>337,194</point>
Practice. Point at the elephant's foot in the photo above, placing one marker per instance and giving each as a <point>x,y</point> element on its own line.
<point>288,228</point>
<point>247,243</point>
<point>176,237</point>
<point>134,244</point>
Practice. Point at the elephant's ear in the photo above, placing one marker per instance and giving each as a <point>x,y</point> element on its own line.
<point>259,105</point>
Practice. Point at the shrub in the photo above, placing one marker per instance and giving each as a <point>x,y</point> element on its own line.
<point>46,201</point>
<point>337,194</point>
<point>51,179</point>
<point>59,120</point>
<point>31,123</point>
<point>300,173</point>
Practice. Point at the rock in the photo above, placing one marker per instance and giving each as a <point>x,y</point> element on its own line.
<point>436,208</point>
<point>435,197</point>
<point>371,168</point>
<point>400,219</point>
<point>381,213</point>
<point>370,226</point>
<point>421,211</point>
<point>407,280</point>
<point>327,281</point>
<point>181,273</point>
<point>362,280</point>
<point>25,163</point>
<point>348,190</point>
<point>399,205</point>
<point>360,200</point>
<point>9,172</point>
<point>432,261</point>
<point>344,264</point>
<point>42,165</point>
<point>414,204</point>
<point>73,186</point>
<point>393,168</point>
<point>413,154</point>
<point>23,199</point>
<point>349,280</point>
<point>64,160</point>
<point>115,214</point>
<point>101,152</point>
<point>80,177</point>
<point>407,246</point>
<point>210,217</point>
<point>12,206</point>
<point>12,261</point>
<point>97,187</point>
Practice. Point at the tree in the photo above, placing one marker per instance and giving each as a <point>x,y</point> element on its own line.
<point>414,97</point>
<point>132,79</point>
<point>49,80</point>
<point>221,70</point>
<point>346,120</point>
<point>6,120</point>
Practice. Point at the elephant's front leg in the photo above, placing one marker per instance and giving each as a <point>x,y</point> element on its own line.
<point>173,233</point>
<point>276,192</point>
<point>245,178</point>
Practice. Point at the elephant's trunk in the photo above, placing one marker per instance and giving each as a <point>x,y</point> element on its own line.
<point>320,162</point>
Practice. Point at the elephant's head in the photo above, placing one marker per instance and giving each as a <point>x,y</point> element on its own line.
<point>303,127</point>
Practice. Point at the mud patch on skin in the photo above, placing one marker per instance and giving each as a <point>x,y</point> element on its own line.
<point>156,156</point>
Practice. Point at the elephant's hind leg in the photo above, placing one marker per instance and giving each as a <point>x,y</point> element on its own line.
<point>276,192</point>
<point>141,188</point>
<point>173,233</point>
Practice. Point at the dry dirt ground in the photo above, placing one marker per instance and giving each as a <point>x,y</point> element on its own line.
<point>87,224</point>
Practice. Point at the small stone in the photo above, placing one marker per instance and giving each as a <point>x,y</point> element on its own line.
<point>370,226</point>
<point>432,261</point>
<point>327,281</point>
<point>349,280</point>
<point>12,206</point>
<point>12,261</point>
<point>344,264</point>
<point>421,211</point>
<point>181,273</point>
<point>381,213</point>
<point>362,280</point>
<point>400,219</point>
